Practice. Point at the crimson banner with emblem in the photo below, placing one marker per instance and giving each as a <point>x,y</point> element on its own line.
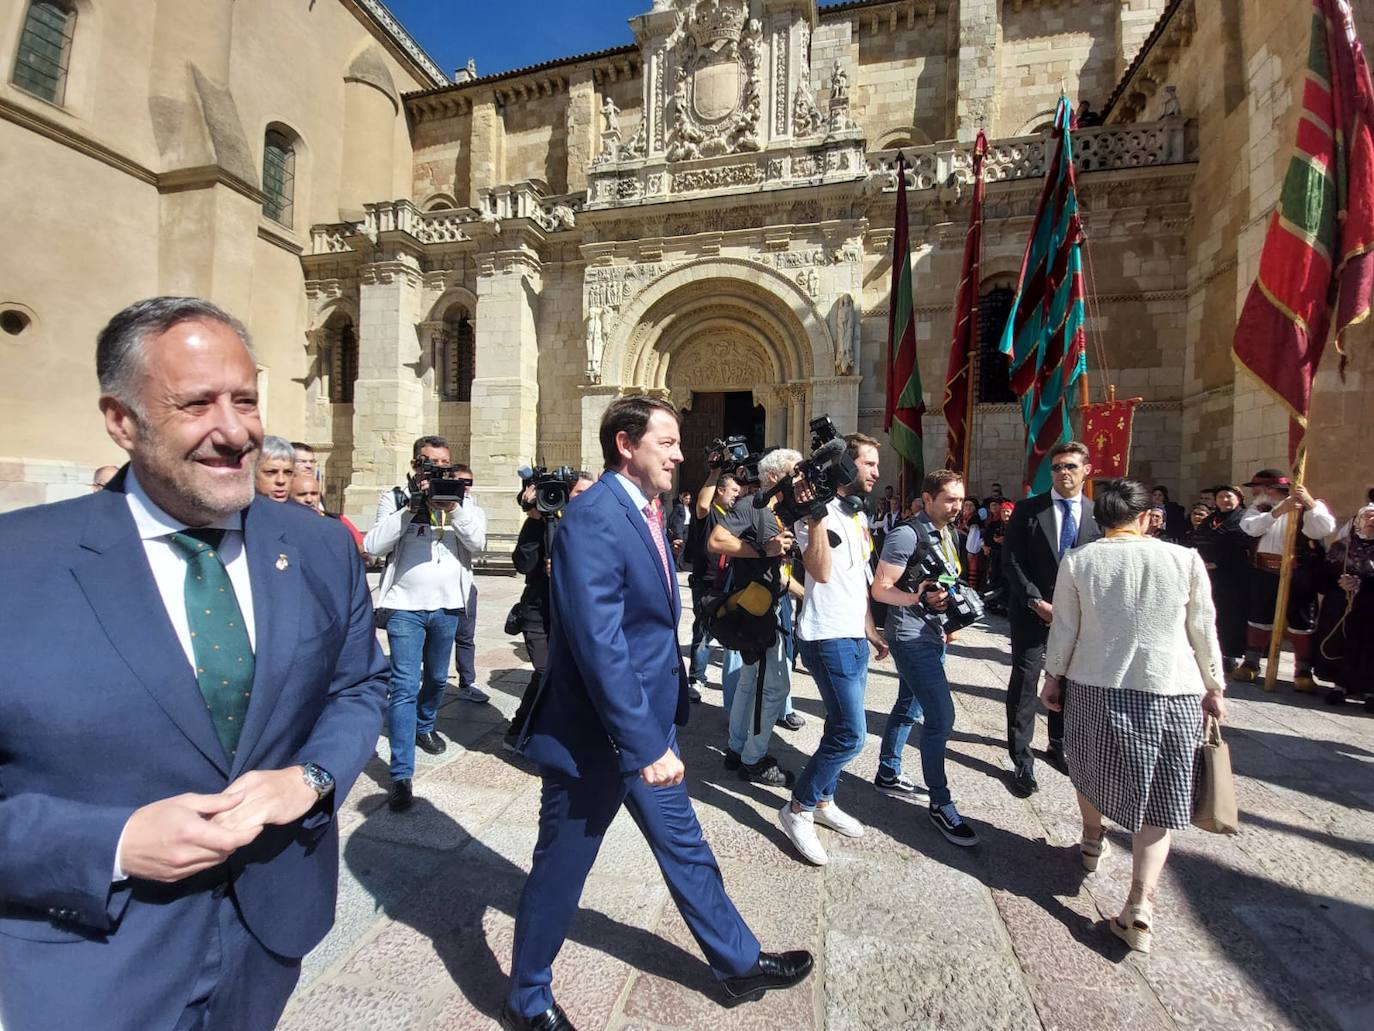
<point>1107,432</point>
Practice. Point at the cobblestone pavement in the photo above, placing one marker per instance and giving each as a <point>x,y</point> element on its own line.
<point>1272,928</point>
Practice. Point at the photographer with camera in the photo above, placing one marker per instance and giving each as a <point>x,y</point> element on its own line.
<point>429,531</point>
<point>835,632</point>
<point>543,497</point>
<point>917,579</point>
<point>746,613</point>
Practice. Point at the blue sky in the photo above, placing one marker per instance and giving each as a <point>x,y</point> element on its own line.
<point>507,34</point>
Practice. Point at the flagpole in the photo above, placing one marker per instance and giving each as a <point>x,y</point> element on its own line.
<point>1083,421</point>
<point>1290,540</point>
<point>971,416</point>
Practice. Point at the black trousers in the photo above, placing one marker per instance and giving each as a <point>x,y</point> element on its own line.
<point>1029,635</point>
<point>537,644</point>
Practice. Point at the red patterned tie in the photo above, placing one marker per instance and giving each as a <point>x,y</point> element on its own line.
<point>654,514</point>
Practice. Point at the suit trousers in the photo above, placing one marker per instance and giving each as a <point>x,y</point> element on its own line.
<point>465,642</point>
<point>1029,635</point>
<point>574,815</point>
<point>241,986</point>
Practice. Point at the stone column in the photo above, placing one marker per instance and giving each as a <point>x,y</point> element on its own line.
<point>798,438</point>
<point>486,147</point>
<point>505,390</point>
<point>976,106</point>
<point>652,31</point>
<point>388,397</point>
<point>581,119</point>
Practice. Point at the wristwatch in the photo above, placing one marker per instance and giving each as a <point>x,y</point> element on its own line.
<point>318,779</point>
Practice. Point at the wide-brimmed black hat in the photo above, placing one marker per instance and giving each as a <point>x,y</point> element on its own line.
<point>1271,478</point>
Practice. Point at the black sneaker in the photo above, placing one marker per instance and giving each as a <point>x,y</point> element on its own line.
<point>732,761</point>
<point>1023,784</point>
<point>767,772</point>
<point>792,721</point>
<point>900,787</point>
<point>947,819</point>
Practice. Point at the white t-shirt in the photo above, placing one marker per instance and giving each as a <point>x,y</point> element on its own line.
<point>838,608</point>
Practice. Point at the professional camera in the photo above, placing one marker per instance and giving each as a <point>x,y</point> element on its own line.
<point>551,488</point>
<point>727,453</point>
<point>827,470</point>
<point>443,484</point>
<point>964,607</point>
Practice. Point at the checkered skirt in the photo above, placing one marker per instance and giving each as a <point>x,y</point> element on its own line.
<point>1133,753</point>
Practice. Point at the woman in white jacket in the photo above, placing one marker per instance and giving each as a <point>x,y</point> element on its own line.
<point>1133,660</point>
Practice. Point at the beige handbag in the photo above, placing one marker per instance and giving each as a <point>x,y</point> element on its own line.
<point>1214,795</point>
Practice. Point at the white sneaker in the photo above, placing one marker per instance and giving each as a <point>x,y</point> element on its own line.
<point>800,829</point>
<point>472,694</point>
<point>832,816</point>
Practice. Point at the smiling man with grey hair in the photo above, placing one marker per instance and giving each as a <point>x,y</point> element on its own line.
<point>228,680</point>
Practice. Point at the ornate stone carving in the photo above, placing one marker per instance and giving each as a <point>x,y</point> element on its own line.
<point>806,117</point>
<point>717,101</point>
<point>846,334</point>
<point>719,364</point>
<point>1171,107</point>
<point>809,281</point>
<point>839,100</point>
<point>596,342</point>
<point>715,178</point>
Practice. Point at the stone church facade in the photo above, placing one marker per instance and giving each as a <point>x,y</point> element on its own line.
<point>706,215</point>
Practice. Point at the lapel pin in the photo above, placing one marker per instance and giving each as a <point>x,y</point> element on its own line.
<point>282,563</point>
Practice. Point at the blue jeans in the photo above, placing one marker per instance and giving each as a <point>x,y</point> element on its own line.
<point>777,684</point>
<point>730,665</point>
<point>700,652</point>
<point>922,684</point>
<point>420,644</point>
<point>840,669</point>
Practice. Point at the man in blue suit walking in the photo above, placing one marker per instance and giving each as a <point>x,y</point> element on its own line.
<point>603,729</point>
<point>190,681</point>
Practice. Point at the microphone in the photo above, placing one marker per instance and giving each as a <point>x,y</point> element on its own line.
<point>823,456</point>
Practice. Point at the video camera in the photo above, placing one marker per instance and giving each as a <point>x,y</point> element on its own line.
<point>551,488</point>
<point>827,470</point>
<point>964,606</point>
<point>727,453</point>
<point>443,484</point>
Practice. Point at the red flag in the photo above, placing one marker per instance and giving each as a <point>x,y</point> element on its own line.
<point>958,403</point>
<point>905,399</point>
<point>1107,432</point>
<point>1319,251</point>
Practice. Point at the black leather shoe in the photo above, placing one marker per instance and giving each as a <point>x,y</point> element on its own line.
<point>402,798</point>
<point>1023,784</point>
<point>553,1019</point>
<point>773,970</point>
<point>431,742</point>
<point>1055,757</point>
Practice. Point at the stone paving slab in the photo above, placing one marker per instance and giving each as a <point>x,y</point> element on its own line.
<point>1271,928</point>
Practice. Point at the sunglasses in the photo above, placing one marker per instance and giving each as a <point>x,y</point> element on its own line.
<point>1063,467</point>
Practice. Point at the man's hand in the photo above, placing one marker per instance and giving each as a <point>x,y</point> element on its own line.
<point>1214,705</point>
<point>270,798</point>
<point>664,773</point>
<point>1043,609</point>
<point>1052,694</point>
<point>677,546</point>
<point>1303,496</point>
<point>936,600</point>
<point>879,644</point>
<point>778,546</point>
<point>1349,582</point>
<point>176,837</point>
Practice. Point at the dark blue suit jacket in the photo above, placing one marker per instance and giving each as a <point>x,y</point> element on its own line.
<point>100,714</point>
<point>615,684</point>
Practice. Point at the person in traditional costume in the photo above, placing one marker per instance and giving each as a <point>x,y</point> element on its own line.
<point>1225,550</point>
<point>1345,630</point>
<point>1276,500</point>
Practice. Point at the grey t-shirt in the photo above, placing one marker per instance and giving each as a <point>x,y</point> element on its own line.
<point>911,622</point>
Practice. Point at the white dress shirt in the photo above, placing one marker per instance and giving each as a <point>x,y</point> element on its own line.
<point>168,566</point>
<point>1075,505</point>
<point>637,497</point>
<point>1317,522</point>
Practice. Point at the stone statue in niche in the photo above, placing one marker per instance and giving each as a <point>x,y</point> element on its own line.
<point>846,334</point>
<point>595,343</point>
<point>806,117</point>
<point>611,116</point>
<point>1171,108</point>
<point>839,83</point>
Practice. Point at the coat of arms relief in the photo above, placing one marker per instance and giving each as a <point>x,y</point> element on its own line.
<point>717,94</point>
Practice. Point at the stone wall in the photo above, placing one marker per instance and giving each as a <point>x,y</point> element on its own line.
<point>1047,47</point>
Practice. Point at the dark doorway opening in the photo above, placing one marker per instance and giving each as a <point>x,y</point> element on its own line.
<point>725,414</point>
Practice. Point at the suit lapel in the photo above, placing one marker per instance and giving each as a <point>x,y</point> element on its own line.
<point>1046,520</point>
<point>641,526</point>
<point>274,568</point>
<point>112,571</point>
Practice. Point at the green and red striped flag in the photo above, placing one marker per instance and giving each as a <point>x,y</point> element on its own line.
<point>958,403</point>
<point>1319,251</point>
<point>905,400</point>
<point>1044,337</point>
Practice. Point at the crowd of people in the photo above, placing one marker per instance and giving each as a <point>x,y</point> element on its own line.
<point>238,633</point>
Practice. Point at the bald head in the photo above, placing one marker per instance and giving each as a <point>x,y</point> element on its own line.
<point>102,476</point>
<point>305,490</point>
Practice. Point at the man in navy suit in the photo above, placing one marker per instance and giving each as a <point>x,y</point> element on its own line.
<point>191,681</point>
<point>603,729</point>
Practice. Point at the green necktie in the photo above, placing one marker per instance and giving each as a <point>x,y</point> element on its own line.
<point>219,638</point>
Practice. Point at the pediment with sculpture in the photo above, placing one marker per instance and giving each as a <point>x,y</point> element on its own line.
<point>717,99</point>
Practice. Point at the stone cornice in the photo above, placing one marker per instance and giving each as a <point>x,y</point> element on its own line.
<point>380,16</point>
<point>58,133</point>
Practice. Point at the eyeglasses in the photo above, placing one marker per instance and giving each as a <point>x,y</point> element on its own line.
<point>1063,467</point>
